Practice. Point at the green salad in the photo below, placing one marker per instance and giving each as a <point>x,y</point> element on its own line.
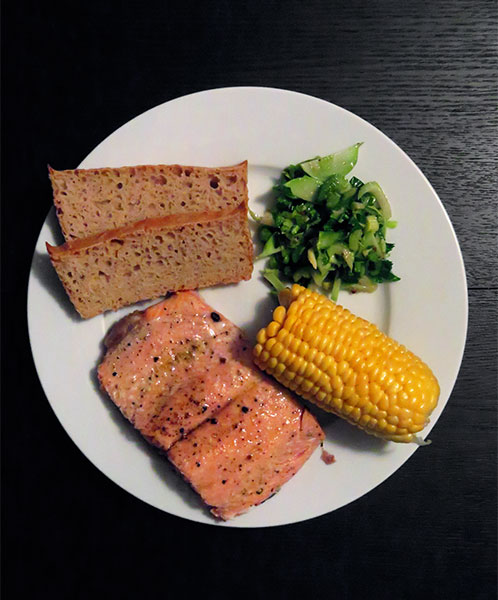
<point>326,230</point>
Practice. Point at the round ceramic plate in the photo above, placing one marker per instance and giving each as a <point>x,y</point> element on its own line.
<point>271,128</point>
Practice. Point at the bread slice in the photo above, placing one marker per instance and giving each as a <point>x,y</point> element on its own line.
<point>152,257</point>
<point>90,201</point>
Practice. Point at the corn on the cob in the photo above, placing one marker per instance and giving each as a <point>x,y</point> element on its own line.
<point>347,366</point>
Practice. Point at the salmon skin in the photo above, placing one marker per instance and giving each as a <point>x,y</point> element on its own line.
<point>183,375</point>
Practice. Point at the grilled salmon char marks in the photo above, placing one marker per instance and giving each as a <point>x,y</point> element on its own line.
<point>172,366</point>
<point>253,446</point>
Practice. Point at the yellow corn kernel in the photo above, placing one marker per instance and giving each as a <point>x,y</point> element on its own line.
<point>306,385</point>
<point>310,369</point>
<point>309,334</point>
<point>279,314</point>
<point>277,349</point>
<point>286,356</point>
<point>272,363</point>
<point>337,403</point>
<point>347,366</point>
<point>298,363</point>
<point>261,337</point>
<point>272,329</point>
<point>303,349</point>
<point>264,356</point>
<point>282,335</point>
<point>288,376</point>
<point>310,356</point>
<point>364,419</point>
<point>298,330</point>
<point>318,357</point>
<point>279,369</point>
<point>269,344</point>
<point>294,344</point>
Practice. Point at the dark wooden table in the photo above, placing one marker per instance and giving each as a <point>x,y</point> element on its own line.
<point>423,72</point>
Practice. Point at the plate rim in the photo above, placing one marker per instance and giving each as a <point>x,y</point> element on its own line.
<point>363,122</point>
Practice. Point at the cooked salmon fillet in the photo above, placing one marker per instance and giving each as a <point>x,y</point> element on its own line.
<point>174,365</point>
<point>183,375</point>
<point>249,450</point>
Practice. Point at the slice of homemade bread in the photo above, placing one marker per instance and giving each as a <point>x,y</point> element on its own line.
<point>90,201</point>
<point>152,257</point>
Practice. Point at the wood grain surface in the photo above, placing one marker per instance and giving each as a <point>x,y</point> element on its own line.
<point>425,73</point>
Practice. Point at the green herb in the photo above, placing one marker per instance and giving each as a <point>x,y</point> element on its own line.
<point>325,230</point>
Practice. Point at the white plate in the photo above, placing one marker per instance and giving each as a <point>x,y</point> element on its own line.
<point>426,310</point>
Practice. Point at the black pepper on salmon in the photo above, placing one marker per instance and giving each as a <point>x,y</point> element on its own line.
<point>183,375</point>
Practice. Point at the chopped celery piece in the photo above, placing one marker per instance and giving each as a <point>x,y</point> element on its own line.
<point>318,277</point>
<point>348,257</point>
<point>254,216</point>
<point>374,188</point>
<point>335,289</point>
<point>328,238</point>
<point>312,258</point>
<point>364,284</point>
<point>271,275</point>
<point>372,224</point>
<point>336,249</point>
<point>354,240</point>
<point>269,248</point>
<point>266,219</point>
<point>349,193</point>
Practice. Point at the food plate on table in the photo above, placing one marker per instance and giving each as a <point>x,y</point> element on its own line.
<point>270,128</point>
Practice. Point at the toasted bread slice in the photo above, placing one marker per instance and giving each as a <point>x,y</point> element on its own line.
<point>90,201</point>
<point>154,256</point>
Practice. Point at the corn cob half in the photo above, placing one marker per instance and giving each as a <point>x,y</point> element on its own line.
<point>347,366</point>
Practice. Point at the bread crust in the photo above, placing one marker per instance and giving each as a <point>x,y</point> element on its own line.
<point>150,258</point>
<point>90,201</point>
<point>166,222</point>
